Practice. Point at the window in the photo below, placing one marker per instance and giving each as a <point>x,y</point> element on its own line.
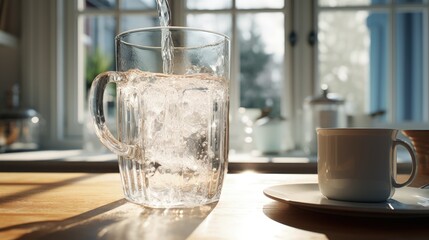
<point>374,53</point>
<point>257,29</point>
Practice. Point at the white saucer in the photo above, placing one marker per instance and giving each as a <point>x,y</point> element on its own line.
<point>406,202</point>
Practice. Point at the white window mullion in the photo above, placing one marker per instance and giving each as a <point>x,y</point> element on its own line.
<point>117,17</point>
<point>80,70</point>
<point>287,98</point>
<point>68,126</point>
<point>235,65</point>
<point>73,92</point>
<point>61,69</point>
<point>304,59</point>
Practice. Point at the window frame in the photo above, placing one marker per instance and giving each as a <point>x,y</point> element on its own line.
<point>75,58</point>
<point>49,61</point>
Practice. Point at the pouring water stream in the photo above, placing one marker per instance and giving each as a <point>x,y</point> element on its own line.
<point>167,47</point>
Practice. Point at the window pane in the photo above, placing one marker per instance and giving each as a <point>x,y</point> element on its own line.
<point>261,38</point>
<point>248,4</point>
<point>138,4</point>
<point>100,4</point>
<point>208,4</point>
<point>220,23</point>
<point>353,63</point>
<point>129,22</point>
<point>98,41</point>
<point>336,3</point>
<point>409,66</point>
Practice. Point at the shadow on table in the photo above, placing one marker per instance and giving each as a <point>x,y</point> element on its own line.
<point>348,227</point>
<point>120,220</point>
<point>38,188</point>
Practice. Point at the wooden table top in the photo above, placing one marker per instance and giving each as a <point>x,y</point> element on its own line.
<point>91,206</point>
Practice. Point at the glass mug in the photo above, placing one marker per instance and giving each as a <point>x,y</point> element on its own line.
<point>172,143</point>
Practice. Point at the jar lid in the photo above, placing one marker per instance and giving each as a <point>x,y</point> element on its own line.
<point>14,114</point>
<point>325,97</point>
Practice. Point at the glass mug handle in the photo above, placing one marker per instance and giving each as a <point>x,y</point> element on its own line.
<point>413,163</point>
<point>97,114</point>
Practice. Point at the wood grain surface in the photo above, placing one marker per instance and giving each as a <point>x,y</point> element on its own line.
<point>91,206</point>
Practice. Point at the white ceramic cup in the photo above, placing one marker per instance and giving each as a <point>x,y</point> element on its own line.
<point>359,164</point>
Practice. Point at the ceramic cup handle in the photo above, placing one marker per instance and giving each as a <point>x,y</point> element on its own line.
<point>97,113</point>
<point>413,162</point>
